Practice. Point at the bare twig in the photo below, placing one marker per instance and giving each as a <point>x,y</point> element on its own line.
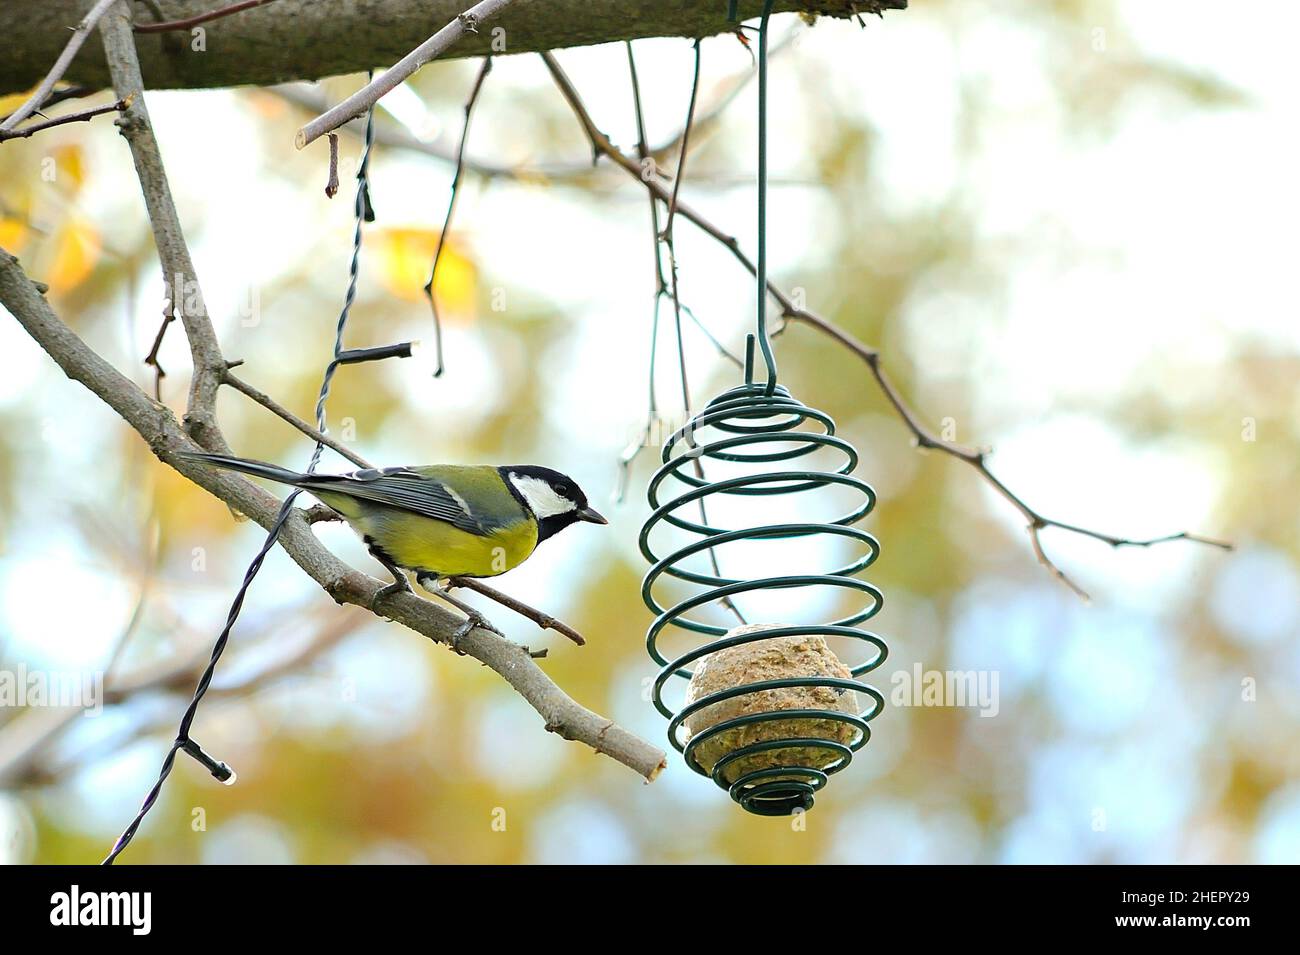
<point>165,436</point>
<point>923,437</point>
<point>23,743</point>
<point>179,275</point>
<point>80,116</point>
<point>284,414</point>
<point>484,70</point>
<point>697,465</point>
<point>634,449</point>
<point>59,96</point>
<point>720,101</point>
<point>650,166</point>
<point>397,136</point>
<point>400,137</point>
<point>194,21</point>
<point>367,96</point>
<point>151,359</point>
<point>680,173</point>
<point>332,184</point>
<point>79,34</point>
<point>539,617</point>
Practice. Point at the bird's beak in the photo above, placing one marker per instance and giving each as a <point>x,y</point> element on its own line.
<point>591,516</point>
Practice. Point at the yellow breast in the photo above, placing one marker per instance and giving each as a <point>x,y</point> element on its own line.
<point>436,547</point>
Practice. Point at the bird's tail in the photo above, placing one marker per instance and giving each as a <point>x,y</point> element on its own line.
<point>256,468</point>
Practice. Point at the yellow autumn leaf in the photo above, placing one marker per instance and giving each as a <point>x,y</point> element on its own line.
<point>76,250</point>
<point>69,165</point>
<point>405,255</point>
<point>12,234</point>
<point>12,101</point>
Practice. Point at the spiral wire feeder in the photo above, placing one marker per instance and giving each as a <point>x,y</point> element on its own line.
<point>758,429</point>
<point>761,430</point>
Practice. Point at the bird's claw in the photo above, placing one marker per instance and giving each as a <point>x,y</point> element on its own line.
<point>475,621</point>
<point>385,592</point>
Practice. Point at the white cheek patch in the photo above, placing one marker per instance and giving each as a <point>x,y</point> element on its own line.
<point>541,497</point>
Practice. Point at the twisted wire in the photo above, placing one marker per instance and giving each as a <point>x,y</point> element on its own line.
<point>183,741</point>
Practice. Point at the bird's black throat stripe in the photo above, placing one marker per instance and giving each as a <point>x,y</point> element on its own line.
<point>546,526</point>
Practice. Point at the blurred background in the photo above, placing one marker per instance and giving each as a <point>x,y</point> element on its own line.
<point>1069,227</point>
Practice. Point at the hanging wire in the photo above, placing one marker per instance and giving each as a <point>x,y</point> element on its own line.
<point>764,341</point>
<point>484,70</point>
<point>774,761</point>
<point>652,402</point>
<point>183,742</point>
<point>663,289</point>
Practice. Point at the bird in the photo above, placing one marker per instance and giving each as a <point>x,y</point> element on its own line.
<point>440,521</point>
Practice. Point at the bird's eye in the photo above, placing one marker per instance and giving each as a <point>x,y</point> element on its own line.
<point>562,489</point>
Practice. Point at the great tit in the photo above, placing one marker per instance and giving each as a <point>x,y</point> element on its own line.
<point>440,520</point>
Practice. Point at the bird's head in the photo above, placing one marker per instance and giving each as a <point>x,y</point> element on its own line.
<point>554,498</point>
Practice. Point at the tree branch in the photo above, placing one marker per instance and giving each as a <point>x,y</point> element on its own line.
<point>25,742</point>
<point>309,39</point>
<point>159,428</point>
<point>79,34</point>
<point>179,276</point>
<point>430,49</point>
<point>922,435</point>
<point>190,22</point>
<point>539,617</point>
<point>80,116</point>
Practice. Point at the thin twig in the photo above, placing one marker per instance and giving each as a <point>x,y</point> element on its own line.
<point>80,116</point>
<point>484,70</point>
<point>372,92</point>
<point>923,437</point>
<point>23,744</point>
<point>633,450</point>
<point>188,22</point>
<point>697,465</point>
<point>59,96</point>
<point>332,184</point>
<point>151,359</point>
<point>79,34</point>
<point>284,414</point>
<point>399,136</point>
<point>685,147</point>
<point>713,111</point>
<point>539,617</point>
<point>179,275</point>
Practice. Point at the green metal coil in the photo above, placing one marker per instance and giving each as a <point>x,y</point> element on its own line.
<point>757,427</point>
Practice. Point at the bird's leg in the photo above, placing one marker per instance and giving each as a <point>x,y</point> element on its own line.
<point>472,617</point>
<point>400,584</point>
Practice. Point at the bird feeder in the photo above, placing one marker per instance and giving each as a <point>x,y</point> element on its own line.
<point>771,711</point>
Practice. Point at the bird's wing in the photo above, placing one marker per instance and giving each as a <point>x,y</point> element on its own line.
<point>406,490</point>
